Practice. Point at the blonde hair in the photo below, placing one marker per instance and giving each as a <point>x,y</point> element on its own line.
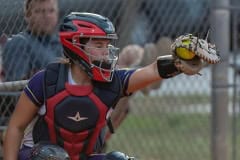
<point>63,60</point>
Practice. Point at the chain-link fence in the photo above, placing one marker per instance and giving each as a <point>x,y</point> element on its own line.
<point>173,122</point>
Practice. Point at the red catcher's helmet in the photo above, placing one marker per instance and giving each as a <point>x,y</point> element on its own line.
<point>76,28</point>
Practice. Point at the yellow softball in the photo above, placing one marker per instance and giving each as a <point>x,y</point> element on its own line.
<point>185,53</point>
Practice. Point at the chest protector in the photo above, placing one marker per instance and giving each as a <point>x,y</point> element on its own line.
<point>75,115</point>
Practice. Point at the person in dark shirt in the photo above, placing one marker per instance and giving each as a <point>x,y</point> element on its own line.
<point>31,50</point>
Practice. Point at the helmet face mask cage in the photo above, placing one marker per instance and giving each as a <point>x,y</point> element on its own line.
<point>105,62</point>
<point>79,28</point>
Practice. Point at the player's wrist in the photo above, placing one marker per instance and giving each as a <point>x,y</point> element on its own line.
<point>166,67</point>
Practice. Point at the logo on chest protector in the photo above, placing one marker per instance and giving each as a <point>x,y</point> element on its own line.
<point>77,117</point>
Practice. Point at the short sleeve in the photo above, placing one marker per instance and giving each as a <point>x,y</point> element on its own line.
<point>34,89</point>
<point>124,75</point>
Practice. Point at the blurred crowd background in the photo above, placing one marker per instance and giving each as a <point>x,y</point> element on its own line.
<point>175,121</point>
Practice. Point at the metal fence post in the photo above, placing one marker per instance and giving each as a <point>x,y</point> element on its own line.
<point>220,33</point>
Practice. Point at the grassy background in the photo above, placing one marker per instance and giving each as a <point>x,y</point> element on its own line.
<point>152,133</point>
<point>168,137</point>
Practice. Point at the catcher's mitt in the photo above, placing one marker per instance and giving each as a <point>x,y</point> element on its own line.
<point>191,54</point>
<point>187,47</point>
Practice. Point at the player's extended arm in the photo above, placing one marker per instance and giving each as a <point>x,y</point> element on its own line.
<point>190,54</point>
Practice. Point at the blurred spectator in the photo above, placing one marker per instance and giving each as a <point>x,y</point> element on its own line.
<point>30,50</point>
<point>136,56</point>
<point>130,56</point>
<point>152,51</point>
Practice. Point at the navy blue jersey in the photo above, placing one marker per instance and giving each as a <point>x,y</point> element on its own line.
<point>34,89</point>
